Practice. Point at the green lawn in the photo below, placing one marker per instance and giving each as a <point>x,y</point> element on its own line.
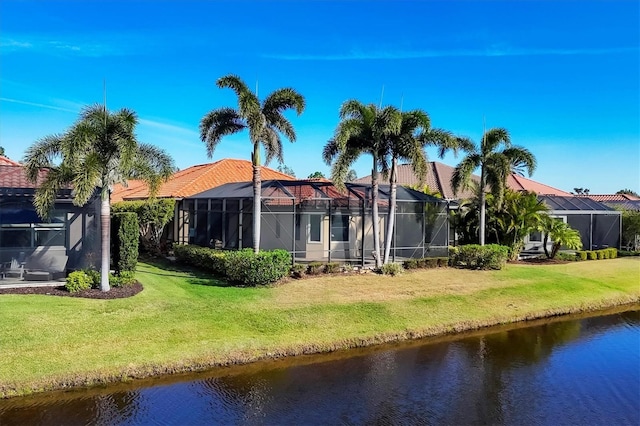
<point>183,320</point>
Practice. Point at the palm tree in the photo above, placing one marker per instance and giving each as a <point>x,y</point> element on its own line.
<point>560,234</point>
<point>362,129</point>
<point>495,166</point>
<point>98,151</point>
<point>265,122</point>
<point>520,214</point>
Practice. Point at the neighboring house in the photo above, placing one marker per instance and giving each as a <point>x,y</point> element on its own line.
<point>439,175</point>
<point>71,234</point>
<point>191,181</point>
<point>598,224</point>
<point>313,220</point>
<point>617,201</point>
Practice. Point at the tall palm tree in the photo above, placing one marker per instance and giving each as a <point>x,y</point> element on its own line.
<point>265,122</point>
<point>98,151</point>
<point>408,145</point>
<point>363,129</point>
<point>497,158</point>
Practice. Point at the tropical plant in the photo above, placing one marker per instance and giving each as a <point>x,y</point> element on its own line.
<point>631,229</point>
<point>99,150</point>
<point>264,121</point>
<point>581,191</point>
<point>2,151</point>
<point>351,175</point>
<point>561,234</point>
<point>316,175</point>
<point>408,144</point>
<point>497,158</point>
<point>520,214</point>
<point>625,191</point>
<point>283,168</point>
<point>153,215</point>
<point>362,129</point>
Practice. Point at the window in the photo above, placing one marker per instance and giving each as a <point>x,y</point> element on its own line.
<point>315,225</point>
<point>535,237</point>
<point>298,217</point>
<point>339,227</point>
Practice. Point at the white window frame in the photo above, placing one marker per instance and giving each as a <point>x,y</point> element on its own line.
<point>309,240</point>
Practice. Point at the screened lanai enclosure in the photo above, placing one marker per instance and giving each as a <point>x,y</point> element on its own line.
<point>600,226</point>
<point>315,221</point>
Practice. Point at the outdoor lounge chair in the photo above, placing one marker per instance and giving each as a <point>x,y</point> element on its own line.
<point>46,264</point>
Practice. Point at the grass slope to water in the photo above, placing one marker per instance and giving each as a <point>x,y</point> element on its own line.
<point>186,321</point>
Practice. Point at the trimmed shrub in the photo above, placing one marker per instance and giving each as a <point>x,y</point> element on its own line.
<point>78,281</point>
<point>421,262</point>
<point>581,255</point>
<point>392,269</point>
<point>347,268</point>
<point>592,255</point>
<point>566,257</point>
<point>332,268</point>
<point>442,261</point>
<point>124,279</point>
<point>625,253</point>
<point>95,277</point>
<point>474,256</point>
<point>613,252</point>
<point>410,264</point>
<point>201,257</point>
<point>298,270</point>
<point>124,241</point>
<point>315,268</point>
<point>246,267</point>
<point>431,262</point>
<point>599,254</point>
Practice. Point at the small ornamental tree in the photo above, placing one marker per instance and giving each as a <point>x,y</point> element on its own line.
<point>153,216</point>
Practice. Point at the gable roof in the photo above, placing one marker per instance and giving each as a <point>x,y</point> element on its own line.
<point>439,178</point>
<point>196,179</point>
<point>13,176</point>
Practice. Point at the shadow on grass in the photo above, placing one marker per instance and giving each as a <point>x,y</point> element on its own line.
<point>195,276</point>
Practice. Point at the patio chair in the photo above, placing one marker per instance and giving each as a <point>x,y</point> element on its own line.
<point>14,268</point>
<point>46,264</point>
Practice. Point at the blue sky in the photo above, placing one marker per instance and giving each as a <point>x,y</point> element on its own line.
<point>561,76</point>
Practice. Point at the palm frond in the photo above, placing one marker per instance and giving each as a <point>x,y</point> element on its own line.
<point>520,159</point>
<point>493,138</point>
<point>41,155</point>
<point>283,99</point>
<point>249,106</point>
<point>461,177</point>
<point>218,123</point>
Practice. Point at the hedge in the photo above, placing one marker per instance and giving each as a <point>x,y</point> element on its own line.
<point>475,256</point>
<point>608,253</point>
<point>238,266</point>
<point>124,241</point>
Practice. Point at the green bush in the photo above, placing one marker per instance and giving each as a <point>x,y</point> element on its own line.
<point>421,262</point>
<point>248,268</point>
<point>124,241</point>
<point>125,278</point>
<point>626,253</point>
<point>410,264</point>
<point>298,270</point>
<point>332,268</point>
<point>431,262</point>
<point>442,261</point>
<point>581,255</point>
<point>566,257</point>
<point>592,255</point>
<point>613,252</point>
<point>392,269</point>
<point>95,277</point>
<point>599,254</point>
<point>78,281</point>
<point>201,257</point>
<point>315,268</point>
<point>474,256</point>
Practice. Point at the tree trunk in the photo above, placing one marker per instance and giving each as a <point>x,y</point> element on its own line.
<point>105,232</point>
<point>545,240</point>
<point>257,202</point>
<point>393,178</point>
<point>483,207</point>
<point>374,207</point>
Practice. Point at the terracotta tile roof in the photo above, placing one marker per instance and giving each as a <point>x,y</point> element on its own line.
<point>120,192</point>
<point>520,183</point>
<point>14,176</point>
<point>612,197</point>
<point>4,161</point>
<point>439,179</point>
<point>196,179</point>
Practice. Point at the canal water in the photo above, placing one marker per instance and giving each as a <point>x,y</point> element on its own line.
<point>583,371</point>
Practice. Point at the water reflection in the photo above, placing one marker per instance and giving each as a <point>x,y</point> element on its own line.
<point>570,372</point>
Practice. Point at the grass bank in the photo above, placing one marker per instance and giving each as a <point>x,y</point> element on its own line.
<point>185,321</point>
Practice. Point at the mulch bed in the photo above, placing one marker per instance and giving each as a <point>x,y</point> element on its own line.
<point>114,293</point>
<point>542,261</point>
